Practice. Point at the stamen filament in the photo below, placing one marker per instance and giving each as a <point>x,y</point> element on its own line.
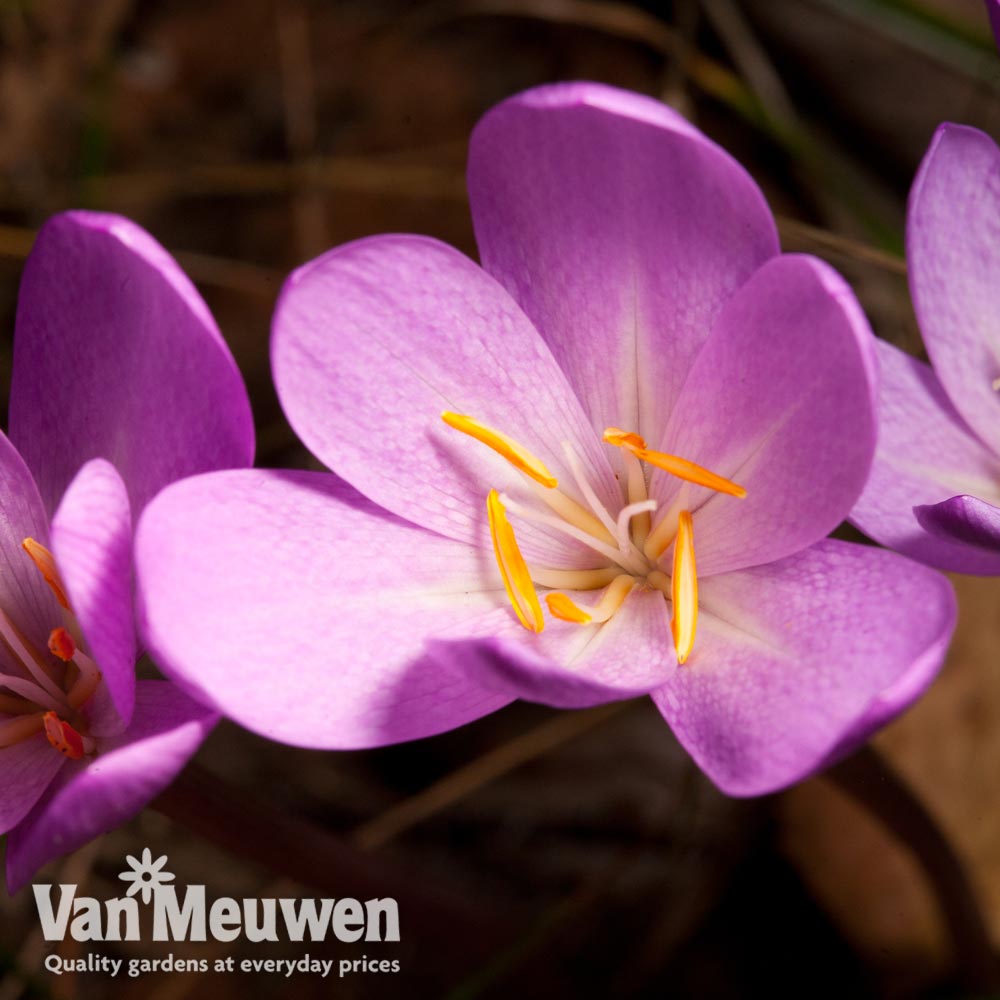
<point>12,705</point>
<point>15,730</point>
<point>587,490</point>
<point>637,493</point>
<point>513,568</point>
<point>568,610</point>
<point>573,579</point>
<point>30,691</point>
<point>518,456</point>
<point>46,564</point>
<point>609,552</point>
<point>86,683</point>
<point>17,645</point>
<point>569,510</point>
<point>634,510</point>
<point>684,589</point>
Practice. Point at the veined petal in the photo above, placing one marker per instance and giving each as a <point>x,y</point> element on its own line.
<point>96,795</point>
<point>116,356</point>
<point>630,655</point>
<point>26,770</point>
<point>953,252</point>
<point>24,594</point>
<point>963,519</point>
<point>92,543</point>
<point>621,231</point>
<point>781,400</point>
<point>926,454</point>
<point>302,610</point>
<point>376,339</point>
<point>800,661</point>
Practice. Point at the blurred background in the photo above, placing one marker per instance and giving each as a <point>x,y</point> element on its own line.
<point>551,854</point>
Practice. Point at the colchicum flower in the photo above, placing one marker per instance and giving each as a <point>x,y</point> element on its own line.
<point>121,383</point>
<point>600,465</point>
<point>934,492</point>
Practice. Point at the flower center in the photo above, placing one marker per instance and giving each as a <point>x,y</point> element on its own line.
<point>627,547</point>
<point>46,693</point>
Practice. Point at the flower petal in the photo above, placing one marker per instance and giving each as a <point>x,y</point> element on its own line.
<point>782,401</point>
<point>621,231</point>
<point>926,454</point>
<point>798,662</point>
<point>630,655</point>
<point>374,340</point>
<point>24,595</point>
<point>130,770</point>
<point>993,9</point>
<point>117,357</point>
<point>953,252</point>
<point>26,770</point>
<point>963,519</point>
<point>92,543</point>
<point>301,610</point>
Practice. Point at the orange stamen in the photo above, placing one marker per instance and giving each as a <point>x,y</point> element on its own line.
<point>518,456</point>
<point>63,736</point>
<point>513,569</point>
<point>561,607</point>
<point>684,589</point>
<point>61,644</point>
<point>46,564</point>
<point>676,466</point>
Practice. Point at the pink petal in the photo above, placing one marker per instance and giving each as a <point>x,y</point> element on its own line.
<point>953,252</point>
<point>926,454</point>
<point>92,543</point>
<point>24,595</point>
<point>621,231</point>
<point>26,770</point>
<point>798,662</point>
<point>374,340</point>
<point>628,656</point>
<point>963,519</point>
<point>302,611</point>
<point>117,357</point>
<point>781,400</point>
<point>129,771</point>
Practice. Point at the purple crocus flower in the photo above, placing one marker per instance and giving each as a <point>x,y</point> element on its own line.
<point>934,491</point>
<point>121,383</point>
<point>651,421</point>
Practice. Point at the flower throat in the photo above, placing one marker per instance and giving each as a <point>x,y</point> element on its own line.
<point>48,693</point>
<point>629,546</point>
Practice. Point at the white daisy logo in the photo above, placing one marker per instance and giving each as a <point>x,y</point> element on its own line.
<point>147,875</point>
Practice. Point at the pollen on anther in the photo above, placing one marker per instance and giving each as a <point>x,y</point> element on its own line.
<point>61,644</point>
<point>561,607</point>
<point>63,736</point>
<point>514,452</point>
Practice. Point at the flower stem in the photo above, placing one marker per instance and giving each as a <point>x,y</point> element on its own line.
<point>872,782</point>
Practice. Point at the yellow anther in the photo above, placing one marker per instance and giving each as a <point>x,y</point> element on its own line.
<point>563,608</point>
<point>516,578</point>
<point>684,589</point>
<point>676,466</point>
<point>46,564</point>
<point>516,454</point>
<point>623,439</point>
